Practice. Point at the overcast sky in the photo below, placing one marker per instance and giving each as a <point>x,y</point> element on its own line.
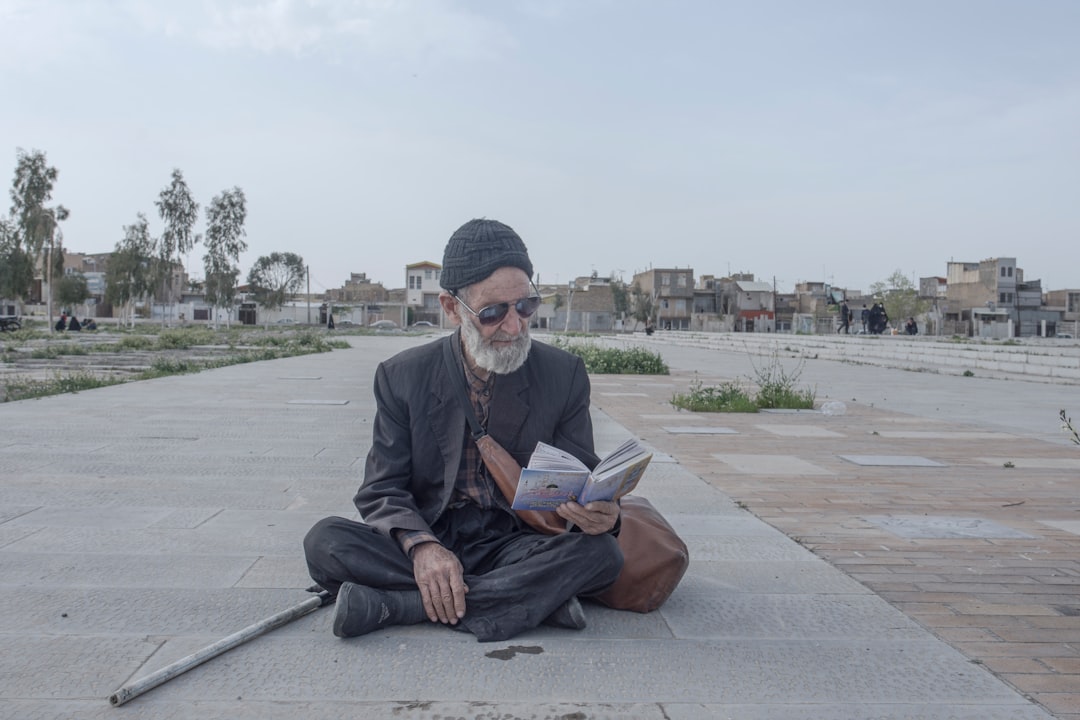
<point>796,140</point>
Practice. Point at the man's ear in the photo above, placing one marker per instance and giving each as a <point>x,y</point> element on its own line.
<point>449,306</point>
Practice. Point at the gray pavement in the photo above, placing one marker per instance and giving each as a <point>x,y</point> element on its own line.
<point>141,522</point>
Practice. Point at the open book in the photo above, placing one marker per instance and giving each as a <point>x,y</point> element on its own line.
<point>554,476</point>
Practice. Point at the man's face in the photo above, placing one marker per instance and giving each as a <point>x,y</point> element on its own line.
<point>502,347</point>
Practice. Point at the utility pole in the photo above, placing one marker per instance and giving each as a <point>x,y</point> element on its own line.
<point>307,271</point>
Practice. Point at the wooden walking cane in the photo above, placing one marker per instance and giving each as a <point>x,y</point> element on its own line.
<point>135,689</point>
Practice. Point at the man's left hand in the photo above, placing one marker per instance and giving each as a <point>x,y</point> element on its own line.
<point>595,518</point>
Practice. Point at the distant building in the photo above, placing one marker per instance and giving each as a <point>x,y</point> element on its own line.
<point>422,291</point>
<point>672,291</point>
<point>990,298</point>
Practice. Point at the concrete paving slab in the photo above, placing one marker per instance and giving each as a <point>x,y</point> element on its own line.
<point>892,460</point>
<point>921,526</point>
<point>1069,526</point>
<point>799,431</point>
<point>770,464</point>
<point>698,430</point>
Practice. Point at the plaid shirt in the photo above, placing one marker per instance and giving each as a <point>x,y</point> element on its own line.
<point>474,483</point>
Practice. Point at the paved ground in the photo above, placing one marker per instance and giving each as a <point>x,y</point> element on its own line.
<point>141,522</point>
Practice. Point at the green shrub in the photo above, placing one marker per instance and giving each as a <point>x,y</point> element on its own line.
<point>616,361</point>
<point>726,397</point>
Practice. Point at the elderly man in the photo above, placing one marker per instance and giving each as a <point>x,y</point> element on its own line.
<point>439,541</point>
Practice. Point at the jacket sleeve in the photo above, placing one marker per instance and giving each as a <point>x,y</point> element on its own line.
<point>391,495</point>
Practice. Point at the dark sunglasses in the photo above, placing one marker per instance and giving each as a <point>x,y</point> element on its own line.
<point>494,314</point>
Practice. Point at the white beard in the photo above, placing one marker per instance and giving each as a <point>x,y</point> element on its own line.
<point>501,361</point>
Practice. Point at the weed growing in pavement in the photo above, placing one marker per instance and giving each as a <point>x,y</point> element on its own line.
<point>777,386</point>
<point>1067,427</point>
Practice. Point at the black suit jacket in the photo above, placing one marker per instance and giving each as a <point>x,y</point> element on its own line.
<point>420,428</point>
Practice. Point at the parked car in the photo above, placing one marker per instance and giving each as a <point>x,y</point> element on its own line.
<point>1066,336</point>
<point>423,324</point>
<point>286,321</point>
<point>383,325</point>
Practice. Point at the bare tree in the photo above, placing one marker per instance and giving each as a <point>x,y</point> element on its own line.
<point>224,242</point>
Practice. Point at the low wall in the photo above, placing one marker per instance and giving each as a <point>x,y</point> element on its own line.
<point>1044,360</point>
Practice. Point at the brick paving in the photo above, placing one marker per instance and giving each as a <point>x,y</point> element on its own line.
<point>1010,602</point>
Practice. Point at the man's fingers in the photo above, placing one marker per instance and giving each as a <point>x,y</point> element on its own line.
<point>459,588</point>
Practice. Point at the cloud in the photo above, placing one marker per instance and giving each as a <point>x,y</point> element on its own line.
<point>334,29</point>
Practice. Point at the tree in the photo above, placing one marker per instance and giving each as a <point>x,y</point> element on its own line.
<point>899,296</point>
<point>224,241</point>
<point>72,290</point>
<point>36,225</point>
<point>276,277</point>
<point>129,275</point>
<point>16,266</point>
<point>621,296</point>
<point>180,212</point>
<point>641,305</point>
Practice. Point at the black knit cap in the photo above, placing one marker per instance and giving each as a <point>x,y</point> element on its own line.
<point>479,248</point>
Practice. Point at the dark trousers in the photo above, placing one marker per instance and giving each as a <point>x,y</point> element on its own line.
<point>516,577</point>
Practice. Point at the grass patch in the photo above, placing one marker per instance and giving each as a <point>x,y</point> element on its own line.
<point>616,361</point>
<point>777,387</point>
<point>305,343</point>
<point>59,384</point>
<point>54,351</point>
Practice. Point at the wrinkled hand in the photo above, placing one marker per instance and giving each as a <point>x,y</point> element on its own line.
<point>440,577</point>
<point>594,519</point>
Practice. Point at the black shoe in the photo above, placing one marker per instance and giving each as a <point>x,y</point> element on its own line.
<point>361,609</point>
<point>569,615</point>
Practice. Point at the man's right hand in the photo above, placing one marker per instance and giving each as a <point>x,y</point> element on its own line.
<point>440,577</point>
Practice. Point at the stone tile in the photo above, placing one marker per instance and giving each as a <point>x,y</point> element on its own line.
<point>698,430</point>
<point>769,464</point>
<point>891,460</point>
<point>919,526</point>
<point>809,431</point>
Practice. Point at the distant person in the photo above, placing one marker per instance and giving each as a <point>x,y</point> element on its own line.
<point>89,324</point>
<point>879,319</point>
<point>910,327</point>
<point>865,316</point>
<point>61,324</point>
<point>329,322</point>
<point>845,318</point>
<point>74,325</point>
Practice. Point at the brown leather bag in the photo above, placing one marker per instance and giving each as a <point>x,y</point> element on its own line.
<point>654,559</point>
<point>505,471</point>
